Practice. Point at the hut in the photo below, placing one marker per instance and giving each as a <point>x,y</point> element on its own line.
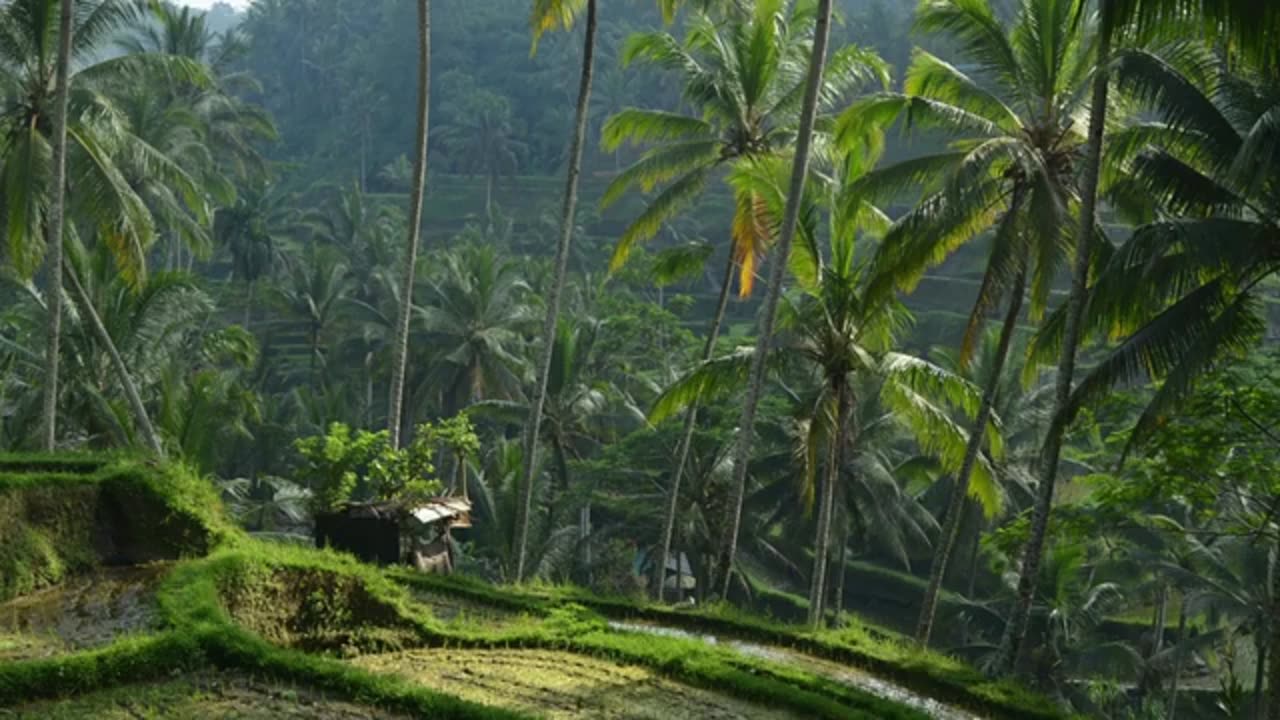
<point>390,533</point>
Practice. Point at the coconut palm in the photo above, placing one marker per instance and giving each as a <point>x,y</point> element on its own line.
<point>576,402</point>
<point>1248,29</point>
<point>1179,299</point>
<point>549,15</point>
<point>744,80</point>
<point>842,333</point>
<point>57,216</point>
<point>317,285</point>
<point>98,147</point>
<point>475,314</point>
<point>1009,173</point>
<point>481,141</point>
<point>410,271</point>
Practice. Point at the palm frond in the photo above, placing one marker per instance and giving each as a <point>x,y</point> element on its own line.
<point>712,379</point>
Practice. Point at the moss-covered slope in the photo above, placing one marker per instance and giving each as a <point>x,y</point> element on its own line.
<point>66,514</point>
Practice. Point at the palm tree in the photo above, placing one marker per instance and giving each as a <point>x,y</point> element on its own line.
<point>101,153</point>
<point>1179,299</point>
<point>744,80</point>
<point>401,347</point>
<point>57,213</point>
<point>548,15</point>
<point>475,316</point>
<point>1009,173</point>
<point>317,286</point>
<point>482,141</point>
<point>1248,29</point>
<point>845,335</point>
<point>790,219</point>
<point>576,402</point>
<point>253,230</point>
<point>229,127</point>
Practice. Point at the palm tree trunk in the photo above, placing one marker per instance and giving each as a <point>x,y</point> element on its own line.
<point>488,200</point>
<point>790,217</point>
<point>686,437</point>
<point>1016,628</point>
<point>399,364</point>
<point>822,544</point>
<point>1259,678</point>
<point>1273,635</point>
<point>567,218</point>
<point>57,216</point>
<point>1160,617</point>
<point>117,362</point>
<point>955,509</point>
<point>843,565</point>
<point>248,304</point>
<point>1178,662</point>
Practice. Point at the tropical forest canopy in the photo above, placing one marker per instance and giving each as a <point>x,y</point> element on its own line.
<point>970,328</point>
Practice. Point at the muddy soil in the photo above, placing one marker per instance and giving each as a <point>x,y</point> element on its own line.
<point>86,612</point>
<point>457,611</point>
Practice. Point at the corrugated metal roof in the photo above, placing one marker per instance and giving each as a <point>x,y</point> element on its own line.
<point>441,509</point>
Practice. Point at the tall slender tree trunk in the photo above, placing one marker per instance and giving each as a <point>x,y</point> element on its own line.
<point>1260,678</point>
<point>248,304</point>
<point>955,508</point>
<point>822,543</point>
<point>488,200</point>
<point>140,415</point>
<point>400,362</point>
<point>790,217</point>
<point>57,217</point>
<point>686,436</point>
<point>843,565</point>
<point>567,217</point>
<point>1181,657</point>
<point>1016,628</point>
<point>1159,618</point>
<point>1273,640</point>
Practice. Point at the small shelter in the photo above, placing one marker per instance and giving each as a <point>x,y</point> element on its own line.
<point>390,533</point>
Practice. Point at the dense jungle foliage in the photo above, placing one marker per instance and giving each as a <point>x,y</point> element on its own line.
<point>959,317</point>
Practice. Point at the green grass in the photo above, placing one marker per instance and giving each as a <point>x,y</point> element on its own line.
<point>55,512</point>
<point>195,596</point>
<point>858,645</point>
<point>288,614</point>
<point>200,695</point>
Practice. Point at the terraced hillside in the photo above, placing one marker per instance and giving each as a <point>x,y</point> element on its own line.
<point>127,595</point>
